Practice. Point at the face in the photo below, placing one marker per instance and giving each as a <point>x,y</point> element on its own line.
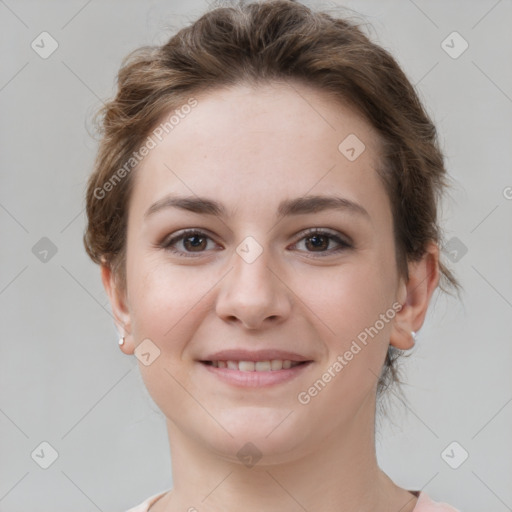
<point>252,230</point>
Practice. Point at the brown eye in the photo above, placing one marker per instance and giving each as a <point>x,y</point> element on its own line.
<point>192,241</point>
<point>319,241</point>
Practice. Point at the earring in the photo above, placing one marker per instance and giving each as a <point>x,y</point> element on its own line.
<point>413,335</point>
<point>121,341</point>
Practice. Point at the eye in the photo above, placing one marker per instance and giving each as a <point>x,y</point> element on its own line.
<point>318,240</point>
<point>196,241</point>
<point>193,240</point>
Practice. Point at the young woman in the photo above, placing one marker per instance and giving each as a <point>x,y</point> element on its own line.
<point>263,208</point>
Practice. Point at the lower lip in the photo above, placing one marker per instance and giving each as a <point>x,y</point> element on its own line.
<point>256,379</point>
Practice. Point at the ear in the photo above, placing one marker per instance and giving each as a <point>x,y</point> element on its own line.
<point>119,306</point>
<point>414,295</point>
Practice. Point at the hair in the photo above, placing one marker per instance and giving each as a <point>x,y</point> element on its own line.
<point>261,42</point>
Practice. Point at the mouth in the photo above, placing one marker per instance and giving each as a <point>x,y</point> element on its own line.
<point>254,374</point>
<point>256,366</point>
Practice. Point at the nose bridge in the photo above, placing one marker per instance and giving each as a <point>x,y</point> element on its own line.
<point>252,292</point>
<point>251,271</point>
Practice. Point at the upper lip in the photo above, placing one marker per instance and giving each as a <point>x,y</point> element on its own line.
<point>254,355</point>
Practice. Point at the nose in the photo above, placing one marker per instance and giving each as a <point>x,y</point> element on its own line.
<point>253,294</point>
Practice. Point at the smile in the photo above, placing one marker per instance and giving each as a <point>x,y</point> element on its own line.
<point>255,374</point>
<point>256,366</point>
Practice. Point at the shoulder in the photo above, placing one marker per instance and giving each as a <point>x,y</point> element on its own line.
<point>144,506</point>
<point>426,504</point>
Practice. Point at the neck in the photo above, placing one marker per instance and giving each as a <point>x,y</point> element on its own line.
<point>339,473</point>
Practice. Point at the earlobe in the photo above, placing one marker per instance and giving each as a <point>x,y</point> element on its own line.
<point>117,299</point>
<point>416,295</point>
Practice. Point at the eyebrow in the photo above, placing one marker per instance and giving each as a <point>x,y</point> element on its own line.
<point>287,207</point>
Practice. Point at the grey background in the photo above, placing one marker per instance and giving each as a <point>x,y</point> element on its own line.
<point>64,380</point>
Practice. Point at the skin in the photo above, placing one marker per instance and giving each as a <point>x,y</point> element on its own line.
<point>250,148</point>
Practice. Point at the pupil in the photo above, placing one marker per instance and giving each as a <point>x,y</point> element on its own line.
<point>317,240</point>
<point>197,238</point>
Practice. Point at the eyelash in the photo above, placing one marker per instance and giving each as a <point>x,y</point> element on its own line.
<point>169,242</point>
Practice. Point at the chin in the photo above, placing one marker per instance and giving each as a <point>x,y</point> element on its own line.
<point>259,432</point>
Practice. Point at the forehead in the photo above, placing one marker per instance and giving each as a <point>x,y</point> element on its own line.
<point>263,142</point>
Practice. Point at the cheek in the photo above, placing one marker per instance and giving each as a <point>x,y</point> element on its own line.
<point>166,299</point>
<point>358,308</point>
<point>165,308</point>
<point>361,291</point>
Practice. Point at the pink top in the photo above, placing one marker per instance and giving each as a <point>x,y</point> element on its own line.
<point>424,504</point>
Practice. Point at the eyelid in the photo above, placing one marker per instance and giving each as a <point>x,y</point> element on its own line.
<point>179,236</point>
<point>342,240</point>
<point>345,239</point>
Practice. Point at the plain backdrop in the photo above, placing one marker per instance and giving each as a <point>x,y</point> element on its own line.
<point>63,379</point>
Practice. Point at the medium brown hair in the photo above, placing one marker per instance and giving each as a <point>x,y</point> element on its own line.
<point>255,43</point>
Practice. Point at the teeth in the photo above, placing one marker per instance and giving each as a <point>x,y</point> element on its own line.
<point>276,364</point>
<point>258,366</point>
<point>246,366</point>
<point>262,366</point>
